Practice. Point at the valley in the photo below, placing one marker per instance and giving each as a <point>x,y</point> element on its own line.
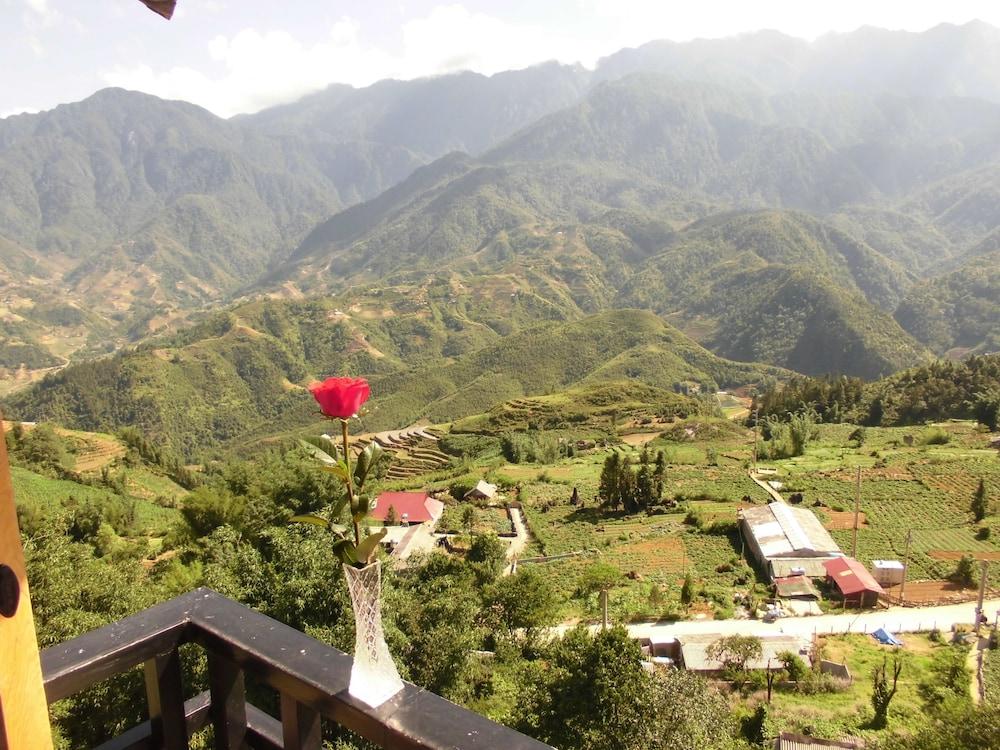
<point>667,381</point>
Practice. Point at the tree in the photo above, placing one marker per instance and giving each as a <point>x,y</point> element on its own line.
<point>469,519</point>
<point>608,487</point>
<point>524,601</point>
<point>42,448</point>
<point>882,694</point>
<point>876,412</point>
<point>980,505</point>
<point>489,553</point>
<point>659,474</point>
<point>735,651</point>
<point>593,694</point>
<point>965,572</point>
<point>687,590</point>
<point>793,664</point>
<point>600,576</point>
<point>643,487</point>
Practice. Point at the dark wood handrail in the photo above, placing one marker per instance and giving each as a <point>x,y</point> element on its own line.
<point>311,678</point>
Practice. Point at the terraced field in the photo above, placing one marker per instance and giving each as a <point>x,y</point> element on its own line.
<point>924,489</point>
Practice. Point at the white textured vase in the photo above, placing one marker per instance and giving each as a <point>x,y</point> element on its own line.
<point>374,677</point>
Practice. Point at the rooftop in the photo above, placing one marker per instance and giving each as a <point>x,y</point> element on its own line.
<point>693,648</point>
<point>413,507</point>
<point>782,530</point>
<point>850,576</point>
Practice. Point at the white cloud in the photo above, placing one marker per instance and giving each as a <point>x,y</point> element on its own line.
<point>261,69</point>
<point>43,13</point>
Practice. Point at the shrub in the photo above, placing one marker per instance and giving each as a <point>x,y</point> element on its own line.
<point>935,436</point>
<point>983,533</point>
<point>793,665</point>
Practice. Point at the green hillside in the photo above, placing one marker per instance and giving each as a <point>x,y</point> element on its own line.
<point>241,374</point>
<point>805,323</point>
<point>957,312</point>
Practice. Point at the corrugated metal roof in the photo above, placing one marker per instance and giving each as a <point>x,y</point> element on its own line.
<point>850,576</point>
<point>693,648</point>
<point>782,530</point>
<point>811,567</point>
<point>792,586</point>
<point>789,741</point>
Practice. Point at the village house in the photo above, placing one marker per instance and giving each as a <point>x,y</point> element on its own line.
<point>410,507</point>
<point>787,541</point>
<point>483,491</point>
<point>856,586</point>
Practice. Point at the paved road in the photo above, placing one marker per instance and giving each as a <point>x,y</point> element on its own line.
<point>894,619</point>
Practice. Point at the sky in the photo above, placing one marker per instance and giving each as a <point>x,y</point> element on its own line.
<point>233,56</point>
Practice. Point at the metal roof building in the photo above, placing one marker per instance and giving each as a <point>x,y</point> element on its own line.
<point>694,656</point>
<point>778,534</point>
<point>790,741</point>
<point>855,584</point>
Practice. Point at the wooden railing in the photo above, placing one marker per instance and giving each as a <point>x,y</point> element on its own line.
<point>310,677</point>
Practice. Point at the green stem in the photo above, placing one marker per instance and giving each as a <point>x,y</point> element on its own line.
<point>350,484</point>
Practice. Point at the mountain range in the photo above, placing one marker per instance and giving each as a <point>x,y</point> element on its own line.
<point>823,207</point>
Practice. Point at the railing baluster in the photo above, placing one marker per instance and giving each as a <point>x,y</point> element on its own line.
<point>229,707</point>
<point>165,696</point>
<point>300,725</point>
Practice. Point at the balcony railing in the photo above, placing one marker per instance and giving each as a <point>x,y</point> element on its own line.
<point>310,677</point>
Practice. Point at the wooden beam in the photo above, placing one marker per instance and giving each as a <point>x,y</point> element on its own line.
<point>24,723</point>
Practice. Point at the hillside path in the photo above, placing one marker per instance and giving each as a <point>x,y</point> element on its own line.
<point>767,488</point>
<point>894,619</point>
<point>519,542</point>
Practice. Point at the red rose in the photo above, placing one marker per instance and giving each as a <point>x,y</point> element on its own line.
<point>340,398</point>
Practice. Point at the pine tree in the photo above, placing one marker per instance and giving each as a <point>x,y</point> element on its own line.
<point>659,473</point>
<point>608,487</point>
<point>980,506</point>
<point>643,487</point>
<point>687,590</point>
<point>626,486</point>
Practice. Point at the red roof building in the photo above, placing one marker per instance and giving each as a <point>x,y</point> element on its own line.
<point>856,585</point>
<point>411,507</point>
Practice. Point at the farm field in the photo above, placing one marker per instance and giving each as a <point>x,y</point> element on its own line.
<point>488,520</point>
<point>847,712</point>
<point>923,489</point>
<point>44,494</point>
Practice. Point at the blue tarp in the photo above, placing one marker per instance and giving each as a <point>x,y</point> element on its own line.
<point>886,638</point>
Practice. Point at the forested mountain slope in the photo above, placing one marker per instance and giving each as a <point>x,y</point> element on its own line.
<point>242,373</point>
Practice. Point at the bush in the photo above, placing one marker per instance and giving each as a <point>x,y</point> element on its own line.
<point>983,533</point>
<point>935,436</point>
<point>793,665</point>
<point>965,572</point>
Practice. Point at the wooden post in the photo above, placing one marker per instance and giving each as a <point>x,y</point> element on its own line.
<point>857,510</point>
<point>982,594</point>
<point>24,715</point>
<point>906,565</point>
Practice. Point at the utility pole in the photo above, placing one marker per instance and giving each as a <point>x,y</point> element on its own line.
<point>756,428</point>
<point>906,565</point>
<point>857,510</point>
<point>982,594</point>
